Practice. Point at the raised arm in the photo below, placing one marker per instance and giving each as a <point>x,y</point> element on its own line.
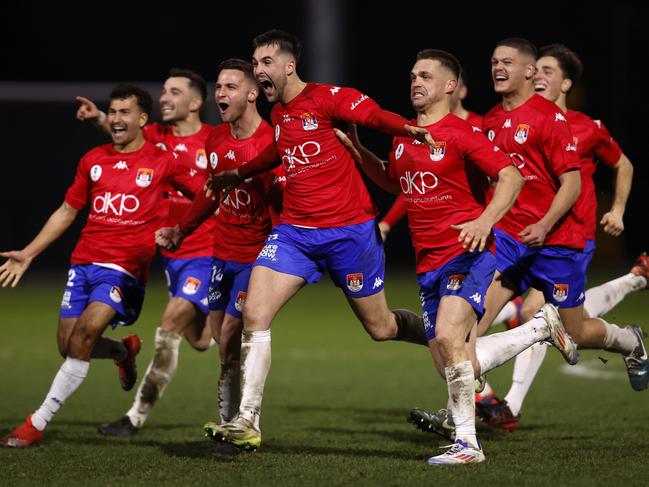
<point>18,261</point>
<point>88,112</point>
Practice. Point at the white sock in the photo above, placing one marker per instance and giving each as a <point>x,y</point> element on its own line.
<point>459,379</point>
<point>67,380</point>
<point>229,385</point>
<point>617,339</point>
<point>161,370</point>
<point>496,349</point>
<point>213,343</point>
<point>526,366</point>
<point>601,299</point>
<point>507,313</point>
<point>255,364</point>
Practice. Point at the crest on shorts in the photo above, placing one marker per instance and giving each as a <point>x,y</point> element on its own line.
<point>560,292</point>
<point>144,177</point>
<point>355,282</point>
<point>522,131</point>
<point>241,298</point>
<point>201,158</point>
<point>309,122</point>
<point>191,286</point>
<point>455,282</point>
<point>115,294</point>
<point>438,151</point>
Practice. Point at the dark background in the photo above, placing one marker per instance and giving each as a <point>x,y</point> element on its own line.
<point>50,53</point>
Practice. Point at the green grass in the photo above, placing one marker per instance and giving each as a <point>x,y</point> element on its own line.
<point>334,410</point>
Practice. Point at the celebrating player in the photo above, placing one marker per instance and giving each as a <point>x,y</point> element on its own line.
<point>124,184</point>
<point>188,269</point>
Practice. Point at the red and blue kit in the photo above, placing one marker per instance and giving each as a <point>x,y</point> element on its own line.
<point>445,187</point>
<point>124,192</point>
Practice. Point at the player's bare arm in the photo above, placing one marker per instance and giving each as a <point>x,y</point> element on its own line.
<point>474,233</point>
<point>612,221</point>
<point>534,234</point>
<point>372,165</point>
<point>88,112</point>
<point>18,261</point>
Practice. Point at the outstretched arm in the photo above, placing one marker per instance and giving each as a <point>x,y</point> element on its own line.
<point>371,164</point>
<point>88,111</point>
<point>18,261</point>
<point>612,220</point>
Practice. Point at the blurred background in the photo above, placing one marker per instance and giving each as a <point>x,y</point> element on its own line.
<point>53,52</point>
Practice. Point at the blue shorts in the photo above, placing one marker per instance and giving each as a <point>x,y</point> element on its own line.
<point>229,286</point>
<point>554,270</point>
<point>353,255</point>
<point>468,276</point>
<point>189,279</point>
<point>587,255</point>
<point>89,282</point>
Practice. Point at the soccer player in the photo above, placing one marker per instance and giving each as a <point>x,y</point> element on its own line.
<point>327,221</point>
<point>558,70</point>
<point>123,183</point>
<point>451,225</point>
<point>188,270</point>
<point>398,209</point>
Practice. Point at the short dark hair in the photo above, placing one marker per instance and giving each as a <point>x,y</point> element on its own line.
<point>446,59</point>
<point>239,65</point>
<point>143,98</point>
<point>568,60</point>
<point>286,42</point>
<point>521,45</point>
<point>196,81</point>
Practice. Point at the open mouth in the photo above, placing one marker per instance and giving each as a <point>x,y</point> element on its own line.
<point>223,106</point>
<point>539,87</point>
<point>118,130</point>
<point>417,94</point>
<point>266,85</point>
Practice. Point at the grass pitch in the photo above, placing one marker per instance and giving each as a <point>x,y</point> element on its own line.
<point>333,414</point>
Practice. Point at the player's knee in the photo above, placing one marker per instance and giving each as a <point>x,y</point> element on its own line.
<point>255,317</point>
<point>171,322</point>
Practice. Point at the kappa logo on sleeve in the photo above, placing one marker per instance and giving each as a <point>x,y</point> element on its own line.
<point>355,282</point>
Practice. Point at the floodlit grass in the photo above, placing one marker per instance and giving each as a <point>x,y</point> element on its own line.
<point>334,410</point>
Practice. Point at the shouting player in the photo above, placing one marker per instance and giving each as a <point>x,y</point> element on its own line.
<point>123,183</point>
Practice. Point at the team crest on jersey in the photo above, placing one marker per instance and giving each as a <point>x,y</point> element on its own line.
<point>455,282</point>
<point>522,131</point>
<point>438,151</point>
<point>276,133</point>
<point>191,286</point>
<point>115,294</point>
<point>214,159</point>
<point>144,177</point>
<point>398,152</point>
<point>241,298</point>
<point>491,135</point>
<point>560,292</point>
<point>95,173</point>
<point>355,282</point>
<point>309,122</point>
<point>201,158</point>
<point>161,145</point>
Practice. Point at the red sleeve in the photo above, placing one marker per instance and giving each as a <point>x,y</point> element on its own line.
<point>558,146</point>
<point>266,160</point>
<point>606,148</point>
<point>77,194</point>
<point>201,209</point>
<point>182,179</point>
<point>481,152</point>
<point>350,105</point>
<point>396,212</point>
<point>276,183</point>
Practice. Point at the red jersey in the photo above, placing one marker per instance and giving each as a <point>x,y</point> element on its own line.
<point>594,143</point>
<point>474,119</point>
<point>244,219</point>
<point>445,188</point>
<point>124,191</point>
<point>323,185</point>
<point>191,154</point>
<point>537,138</point>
